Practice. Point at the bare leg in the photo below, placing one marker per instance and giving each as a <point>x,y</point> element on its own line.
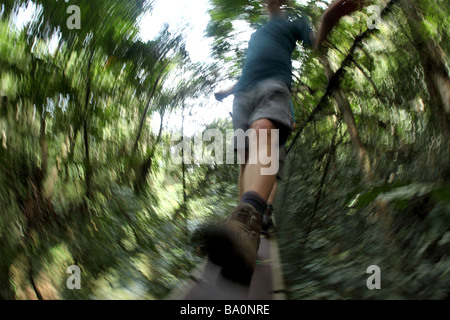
<point>241,180</point>
<point>252,179</point>
<point>273,193</point>
<point>233,245</point>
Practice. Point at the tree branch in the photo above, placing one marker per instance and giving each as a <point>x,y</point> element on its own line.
<point>141,124</point>
<point>333,83</point>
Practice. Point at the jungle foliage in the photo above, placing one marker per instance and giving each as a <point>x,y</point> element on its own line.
<point>86,181</point>
<point>366,181</point>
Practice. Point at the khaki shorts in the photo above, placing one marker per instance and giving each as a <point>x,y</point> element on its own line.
<point>269,99</point>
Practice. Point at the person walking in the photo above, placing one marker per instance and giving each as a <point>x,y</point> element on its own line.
<point>262,105</point>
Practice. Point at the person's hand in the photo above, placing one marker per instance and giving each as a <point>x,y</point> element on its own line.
<point>220,95</point>
<point>333,14</point>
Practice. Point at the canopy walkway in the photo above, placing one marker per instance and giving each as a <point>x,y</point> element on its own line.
<point>206,282</point>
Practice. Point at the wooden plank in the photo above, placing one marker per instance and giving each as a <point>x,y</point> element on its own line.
<point>279,290</point>
<point>261,284</point>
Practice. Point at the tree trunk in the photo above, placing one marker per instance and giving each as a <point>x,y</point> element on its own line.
<point>144,114</point>
<point>329,160</point>
<point>182,209</point>
<point>87,162</point>
<point>141,175</point>
<point>183,168</point>
<point>6,288</point>
<point>347,113</point>
<point>434,65</point>
<point>44,150</point>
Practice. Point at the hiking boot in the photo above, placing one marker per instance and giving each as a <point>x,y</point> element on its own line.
<point>267,222</point>
<point>234,243</point>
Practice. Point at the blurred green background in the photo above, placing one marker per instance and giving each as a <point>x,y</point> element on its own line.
<point>87,177</point>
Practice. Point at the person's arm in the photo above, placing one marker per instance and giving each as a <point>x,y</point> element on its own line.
<point>331,17</point>
<point>222,94</point>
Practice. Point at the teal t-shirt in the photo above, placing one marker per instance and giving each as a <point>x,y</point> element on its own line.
<point>270,49</point>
